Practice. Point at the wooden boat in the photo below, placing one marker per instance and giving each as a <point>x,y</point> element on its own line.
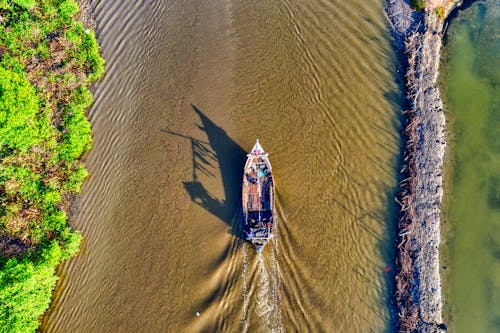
<point>258,198</point>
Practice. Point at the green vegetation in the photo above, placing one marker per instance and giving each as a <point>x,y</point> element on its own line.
<point>439,11</point>
<point>418,5</point>
<point>47,61</point>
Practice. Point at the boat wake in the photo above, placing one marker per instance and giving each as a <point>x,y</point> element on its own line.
<point>244,280</point>
<point>261,291</point>
<point>264,305</point>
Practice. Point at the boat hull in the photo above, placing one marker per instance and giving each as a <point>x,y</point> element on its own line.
<point>258,198</point>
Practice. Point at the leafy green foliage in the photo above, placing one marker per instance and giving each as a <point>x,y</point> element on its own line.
<point>68,9</point>
<point>28,4</point>
<point>47,60</point>
<point>75,179</point>
<point>18,109</point>
<point>77,138</point>
<point>88,50</point>
<point>418,5</point>
<point>71,243</point>
<point>439,11</point>
<point>25,289</point>
<point>91,49</point>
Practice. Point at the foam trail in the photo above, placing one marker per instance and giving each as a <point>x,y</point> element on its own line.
<point>244,293</point>
<point>276,287</point>
<point>264,307</point>
<point>267,294</point>
<point>261,284</point>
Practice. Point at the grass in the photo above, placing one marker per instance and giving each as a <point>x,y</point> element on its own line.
<point>47,61</point>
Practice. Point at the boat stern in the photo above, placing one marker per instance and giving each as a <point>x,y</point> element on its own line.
<point>259,237</point>
<point>259,247</point>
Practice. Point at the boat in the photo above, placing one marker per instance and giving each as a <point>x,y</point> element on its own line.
<point>258,198</point>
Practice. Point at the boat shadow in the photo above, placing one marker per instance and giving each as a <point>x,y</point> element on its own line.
<point>223,152</point>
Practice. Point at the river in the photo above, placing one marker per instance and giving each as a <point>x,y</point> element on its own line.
<point>471,83</point>
<point>189,86</point>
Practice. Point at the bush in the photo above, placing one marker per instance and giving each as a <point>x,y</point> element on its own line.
<point>28,182</point>
<point>418,5</point>
<point>77,131</point>
<point>18,111</point>
<point>68,9</point>
<point>75,179</point>
<point>25,290</point>
<point>54,221</point>
<point>28,4</point>
<point>71,243</point>
<point>77,137</point>
<point>90,54</point>
<point>439,11</point>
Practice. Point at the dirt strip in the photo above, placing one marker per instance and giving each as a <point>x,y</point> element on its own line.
<point>418,39</point>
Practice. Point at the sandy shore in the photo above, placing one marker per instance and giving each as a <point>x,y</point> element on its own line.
<point>418,39</point>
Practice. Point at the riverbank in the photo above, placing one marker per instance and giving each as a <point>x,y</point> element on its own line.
<point>418,30</point>
<point>48,59</point>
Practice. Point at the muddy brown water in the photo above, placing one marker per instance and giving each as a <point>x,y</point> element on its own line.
<point>189,87</point>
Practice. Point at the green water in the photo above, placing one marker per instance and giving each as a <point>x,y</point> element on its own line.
<point>471,84</point>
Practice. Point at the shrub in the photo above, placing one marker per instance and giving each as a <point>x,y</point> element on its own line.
<point>77,137</point>
<point>28,182</point>
<point>25,290</point>
<point>55,220</point>
<point>90,53</point>
<point>68,9</point>
<point>18,111</point>
<point>439,11</point>
<point>75,179</point>
<point>71,243</point>
<point>28,4</point>
<point>418,5</point>
<point>51,198</point>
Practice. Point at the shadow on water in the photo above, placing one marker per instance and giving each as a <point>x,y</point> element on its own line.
<point>460,7</point>
<point>222,151</point>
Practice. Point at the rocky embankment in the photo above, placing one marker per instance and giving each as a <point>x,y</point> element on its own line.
<point>418,38</point>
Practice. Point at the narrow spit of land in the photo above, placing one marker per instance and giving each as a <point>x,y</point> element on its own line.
<point>418,29</point>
